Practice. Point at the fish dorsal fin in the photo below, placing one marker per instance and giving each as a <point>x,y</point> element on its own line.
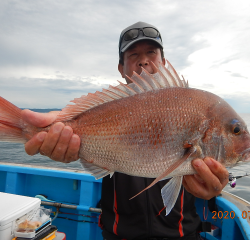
<point>163,77</point>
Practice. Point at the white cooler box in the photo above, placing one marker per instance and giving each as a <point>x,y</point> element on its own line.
<point>13,207</point>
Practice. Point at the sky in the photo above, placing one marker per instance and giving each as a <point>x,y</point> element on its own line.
<point>54,51</point>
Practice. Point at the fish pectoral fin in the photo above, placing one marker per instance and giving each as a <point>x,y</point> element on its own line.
<point>174,166</point>
<point>170,193</point>
<point>95,171</point>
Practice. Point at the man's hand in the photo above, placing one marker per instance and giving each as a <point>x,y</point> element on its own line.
<point>59,144</point>
<point>209,181</point>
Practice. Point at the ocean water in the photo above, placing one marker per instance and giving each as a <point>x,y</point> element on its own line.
<point>15,153</point>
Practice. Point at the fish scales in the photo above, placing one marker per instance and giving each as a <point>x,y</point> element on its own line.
<point>153,127</point>
<point>143,134</point>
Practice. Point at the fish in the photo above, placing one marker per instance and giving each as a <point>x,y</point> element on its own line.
<point>152,127</point>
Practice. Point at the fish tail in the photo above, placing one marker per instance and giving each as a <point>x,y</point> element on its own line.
<point>11,124</point>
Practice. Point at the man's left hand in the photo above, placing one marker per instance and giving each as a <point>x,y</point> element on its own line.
<point>209,181</point>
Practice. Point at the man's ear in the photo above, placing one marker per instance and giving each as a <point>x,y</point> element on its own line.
<point>120,69</point>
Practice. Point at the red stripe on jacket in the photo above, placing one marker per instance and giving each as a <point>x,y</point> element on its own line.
<point>181,212</point>
<point>116,215</point>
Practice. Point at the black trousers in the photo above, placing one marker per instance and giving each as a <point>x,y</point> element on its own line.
<point>193,236</point>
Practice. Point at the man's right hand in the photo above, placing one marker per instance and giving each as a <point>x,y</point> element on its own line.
<point>59,144</point>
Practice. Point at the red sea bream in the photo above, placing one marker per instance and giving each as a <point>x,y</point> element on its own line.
<point>153,127</point>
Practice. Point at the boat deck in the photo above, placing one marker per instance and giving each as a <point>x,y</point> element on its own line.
<point>80,194</point>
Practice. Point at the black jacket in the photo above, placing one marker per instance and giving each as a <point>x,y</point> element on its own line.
<point>144,216</point>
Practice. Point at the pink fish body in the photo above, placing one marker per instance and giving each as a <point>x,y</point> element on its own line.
<point>153,127</point>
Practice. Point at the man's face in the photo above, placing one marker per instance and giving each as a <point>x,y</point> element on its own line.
<point>139,55</point>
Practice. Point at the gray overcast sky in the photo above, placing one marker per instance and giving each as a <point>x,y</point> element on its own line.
<point>54,51</point>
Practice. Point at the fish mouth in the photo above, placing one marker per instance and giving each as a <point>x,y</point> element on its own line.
<point>246,155</point>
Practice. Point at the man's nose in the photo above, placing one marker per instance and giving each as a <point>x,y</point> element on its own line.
<point>143,61</point>
<point>141,64</point>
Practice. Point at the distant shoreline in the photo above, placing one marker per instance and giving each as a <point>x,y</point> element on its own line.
<point>43,110</point>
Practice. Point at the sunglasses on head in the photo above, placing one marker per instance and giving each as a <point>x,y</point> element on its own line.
<point>134,33</point>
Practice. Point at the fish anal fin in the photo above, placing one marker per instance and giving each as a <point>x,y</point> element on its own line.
<point>95,171</point>
<point>111,174</point>
<point>190,152</point>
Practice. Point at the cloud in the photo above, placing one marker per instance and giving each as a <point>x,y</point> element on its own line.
<point>46,33</point>
<point>56,49</point>
<point>225,60</point>
<point>53,93</point>
<point>238,75</point>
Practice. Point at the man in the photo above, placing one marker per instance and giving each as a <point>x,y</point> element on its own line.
<point>142,217</point>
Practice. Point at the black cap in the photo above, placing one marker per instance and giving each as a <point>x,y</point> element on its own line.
<point>124,45</point>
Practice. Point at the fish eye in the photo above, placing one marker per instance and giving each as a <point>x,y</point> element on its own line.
<point>236,130</point>
<point>236,127</point>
